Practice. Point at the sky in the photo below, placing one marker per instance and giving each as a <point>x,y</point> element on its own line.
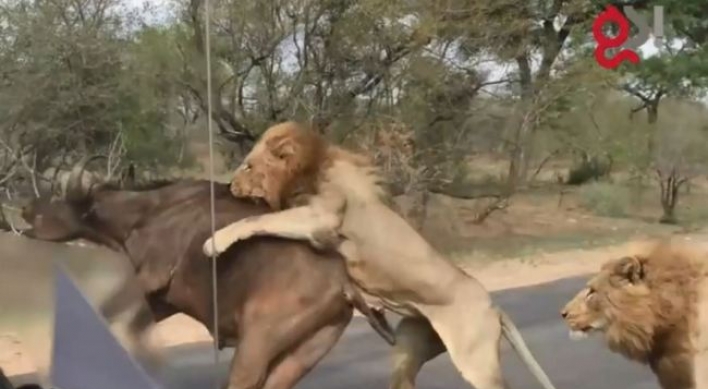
<point>139,3</point>
<point>162,6</point>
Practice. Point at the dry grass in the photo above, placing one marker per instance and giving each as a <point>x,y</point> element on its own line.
<point>548,217</point>
<point>534,223</point>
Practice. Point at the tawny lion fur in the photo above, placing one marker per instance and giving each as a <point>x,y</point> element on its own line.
<point>332,197</point>
<point>651,308</point>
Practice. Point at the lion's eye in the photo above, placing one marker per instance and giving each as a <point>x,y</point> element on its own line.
<point>591,292</point>
<point>246,167</point>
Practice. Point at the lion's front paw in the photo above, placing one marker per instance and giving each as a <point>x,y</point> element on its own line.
<point>325,239</point>
<point>209,249</point>
<point>215,246</point>
<point>221,241</point>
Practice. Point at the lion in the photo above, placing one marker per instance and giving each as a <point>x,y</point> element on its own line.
<point>333,198</point>
<point>650,308</point>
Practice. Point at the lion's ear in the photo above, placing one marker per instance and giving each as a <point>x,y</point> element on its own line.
<point>282,148</point>
<point>286,151</point>
<point>630,268</point>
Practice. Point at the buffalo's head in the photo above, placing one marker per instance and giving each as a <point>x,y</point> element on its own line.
<point>62,219</point>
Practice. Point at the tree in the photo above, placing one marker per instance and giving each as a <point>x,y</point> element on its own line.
<point>535,37</point>
<point>680,153</point>
<point>307,59</point>
<point>679,71</point>
<point>71,85</point>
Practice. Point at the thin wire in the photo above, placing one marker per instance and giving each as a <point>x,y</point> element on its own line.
<point>212,210</point>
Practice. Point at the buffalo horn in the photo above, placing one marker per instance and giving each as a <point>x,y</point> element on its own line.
<point>74,189</point>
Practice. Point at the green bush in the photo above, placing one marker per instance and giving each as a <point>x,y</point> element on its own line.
<point>606,199</point>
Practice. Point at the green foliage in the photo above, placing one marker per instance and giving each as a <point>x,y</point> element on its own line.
<point>70,86</point>
<point>148,97</point>
<point>605,199</point>
<point>74,85</point>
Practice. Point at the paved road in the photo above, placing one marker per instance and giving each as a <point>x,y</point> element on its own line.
<point>360,360</point>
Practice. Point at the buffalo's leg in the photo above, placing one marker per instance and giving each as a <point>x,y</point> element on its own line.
<point>416,343</point>
<point>138,327</point>
<point>259,346</point>
<point>250,362</point>
<point>122,298</point>
<point>265,335</point>
<point>296,364</point>
<point>126,295</point>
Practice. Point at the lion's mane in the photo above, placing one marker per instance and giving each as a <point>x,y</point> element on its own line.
<point>649,306</point>
<point>312,163</point>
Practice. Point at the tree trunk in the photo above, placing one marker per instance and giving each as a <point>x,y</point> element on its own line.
<point>669,216</point>
<point>228,125</point>
<point>419,210</point>
<point>652,118</point>
<point>670,186</point>
<point>520,152</point>
<point>521,155</point>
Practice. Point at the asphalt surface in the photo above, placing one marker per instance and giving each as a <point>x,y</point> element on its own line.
<point>360,359</point>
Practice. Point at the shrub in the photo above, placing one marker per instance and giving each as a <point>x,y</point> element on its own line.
<point>606,199</point>
<point>587,170</point>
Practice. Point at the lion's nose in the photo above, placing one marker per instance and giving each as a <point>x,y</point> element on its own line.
<point>564,314</point>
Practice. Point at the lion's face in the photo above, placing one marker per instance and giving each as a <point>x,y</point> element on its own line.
<point>284,154</point>
<point>616,302</point>
<point>261,175</point>
<point>584,313</point>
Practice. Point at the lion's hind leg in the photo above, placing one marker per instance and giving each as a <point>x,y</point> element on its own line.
<point>471,334</point>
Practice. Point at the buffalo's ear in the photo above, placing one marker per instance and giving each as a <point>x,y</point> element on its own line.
<point>630,268</point>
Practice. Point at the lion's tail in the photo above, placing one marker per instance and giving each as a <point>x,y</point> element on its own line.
<point>512,334</point>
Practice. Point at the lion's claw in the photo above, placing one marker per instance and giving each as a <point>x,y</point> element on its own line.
<point>211,248</point>
<point>221,241</point>
<point>208,247</point>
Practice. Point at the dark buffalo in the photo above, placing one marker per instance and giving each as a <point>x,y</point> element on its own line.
<point>282,303</point>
